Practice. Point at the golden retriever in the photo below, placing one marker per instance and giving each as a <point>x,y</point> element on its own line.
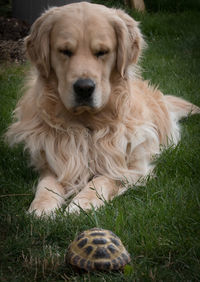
<point>90,124</point>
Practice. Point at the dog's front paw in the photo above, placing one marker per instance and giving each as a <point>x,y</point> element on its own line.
<point>73,208</point>
<point>43,208</point>
<point>84,204</point>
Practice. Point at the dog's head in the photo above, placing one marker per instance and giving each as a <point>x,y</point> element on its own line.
<point>82,45</point>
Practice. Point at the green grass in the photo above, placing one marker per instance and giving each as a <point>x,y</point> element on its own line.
<point>159,223</point>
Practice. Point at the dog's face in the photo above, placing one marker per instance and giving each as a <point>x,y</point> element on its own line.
<point>83,58</point>
<point>82,45</point>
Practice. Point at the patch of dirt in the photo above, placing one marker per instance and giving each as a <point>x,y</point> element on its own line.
<point>12,33</point>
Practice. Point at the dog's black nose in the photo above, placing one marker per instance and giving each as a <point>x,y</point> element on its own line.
<point>84,89</point>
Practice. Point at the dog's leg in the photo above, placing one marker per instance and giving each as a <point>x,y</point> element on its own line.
<point>49,196</point>
<point>97,191</point>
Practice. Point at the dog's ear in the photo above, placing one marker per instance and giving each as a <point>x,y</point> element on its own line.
<point>38,42</point>
<point>129,41</point>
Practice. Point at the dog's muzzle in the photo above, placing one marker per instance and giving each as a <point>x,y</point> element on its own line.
<point>84,89</point>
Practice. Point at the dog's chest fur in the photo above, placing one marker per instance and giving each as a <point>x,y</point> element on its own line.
<point>81,153</point>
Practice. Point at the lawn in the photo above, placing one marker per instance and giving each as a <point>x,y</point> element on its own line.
<point>159,223</point>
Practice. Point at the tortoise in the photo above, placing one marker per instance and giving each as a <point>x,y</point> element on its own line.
<point>97,249</point>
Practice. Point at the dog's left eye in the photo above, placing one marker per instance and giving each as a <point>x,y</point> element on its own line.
<point>101,53</point>
<point>66,52</point>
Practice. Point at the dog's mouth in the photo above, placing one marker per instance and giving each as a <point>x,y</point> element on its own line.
<point>84,108</point>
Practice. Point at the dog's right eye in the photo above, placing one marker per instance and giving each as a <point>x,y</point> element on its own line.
<point>66,52</point>
<point>101,53</point>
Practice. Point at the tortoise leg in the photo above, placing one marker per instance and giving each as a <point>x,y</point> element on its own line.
<point>97,191</point>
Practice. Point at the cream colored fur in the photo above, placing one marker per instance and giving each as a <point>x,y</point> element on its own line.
<point>105,147</point>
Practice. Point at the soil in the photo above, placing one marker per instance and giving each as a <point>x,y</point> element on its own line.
<point>12,34</point>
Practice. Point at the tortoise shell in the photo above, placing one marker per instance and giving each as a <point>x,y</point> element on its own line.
<point>97,249</point>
